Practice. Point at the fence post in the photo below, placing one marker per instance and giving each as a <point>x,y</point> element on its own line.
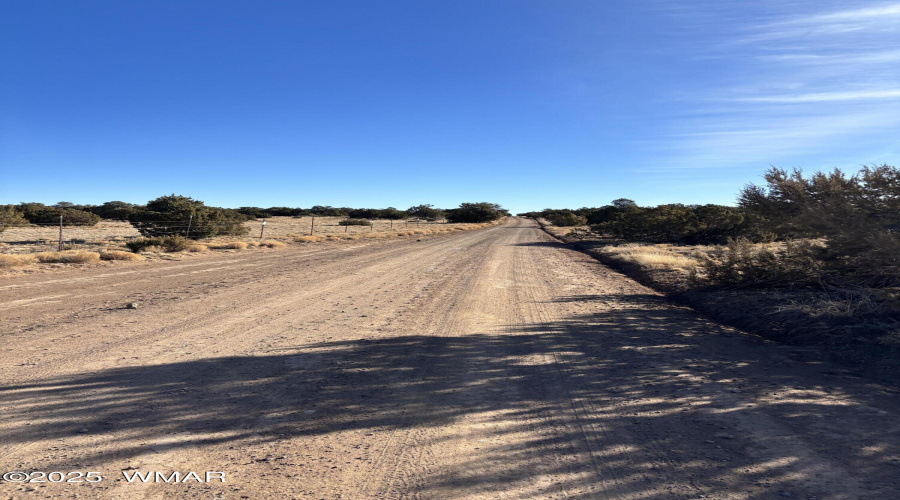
<point>372,226</point>
<point>59,248</point>
<point>262,229</point>
<point>187,234</point>
<point>312,225</point>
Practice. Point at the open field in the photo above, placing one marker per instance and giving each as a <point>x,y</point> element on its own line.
<point>22,247</point>
<point>494,363</point>
<point>108,233</point>
<point>45,238</point>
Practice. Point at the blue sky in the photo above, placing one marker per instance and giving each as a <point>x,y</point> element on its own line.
<point>530,104</point>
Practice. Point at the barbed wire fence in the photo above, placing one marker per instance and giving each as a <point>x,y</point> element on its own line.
<point>63,237</point>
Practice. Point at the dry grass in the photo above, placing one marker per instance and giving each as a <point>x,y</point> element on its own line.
<point>272,244</point>
<point>69,257</point>
<point>119,255</point>
<point>652,256</point>
<point>16,260</point>
<point>228,245</point>
<point>112,235</point>
<point>561,231</point>
<point>197,248</point>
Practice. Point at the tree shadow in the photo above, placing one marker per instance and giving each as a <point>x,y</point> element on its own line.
<point>639,400</point>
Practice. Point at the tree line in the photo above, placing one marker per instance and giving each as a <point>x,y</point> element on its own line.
<point>184,215</point>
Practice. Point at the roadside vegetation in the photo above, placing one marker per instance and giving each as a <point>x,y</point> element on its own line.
<point>802,258</point>
<point>173,224</point>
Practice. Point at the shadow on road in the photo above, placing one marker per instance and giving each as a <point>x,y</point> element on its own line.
<point>655,400</point>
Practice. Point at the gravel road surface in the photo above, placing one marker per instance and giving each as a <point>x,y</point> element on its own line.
<point>493,363</point>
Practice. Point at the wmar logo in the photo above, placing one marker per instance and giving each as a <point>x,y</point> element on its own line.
<point>173,476</point>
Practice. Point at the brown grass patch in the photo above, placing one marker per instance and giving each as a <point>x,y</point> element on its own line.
<point>69,257</point>
<point>651,256</point>
<point>120,255</point>
<point>229,245</point>
<point>272,244</point>
<point>197,248</point>
<point>16,260</point>
<point>308,239</point>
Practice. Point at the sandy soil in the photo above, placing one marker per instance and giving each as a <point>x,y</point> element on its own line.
<point>486,364</point>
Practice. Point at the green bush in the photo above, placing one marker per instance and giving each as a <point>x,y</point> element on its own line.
<point>363,213</point>
<point>355,222</point>
<point>284,211</point>
<point>391,213</point>
<point>687,224</point>
<point>426,212</point>
<point>329,211</point>
<point>115,210</point>
<point>10,217</point>
<point>476,213</point>
<point>254,213</point>
<point>564,218</point>
<point>169,215</point>
<point>858,215</point>
<point>38,213</point>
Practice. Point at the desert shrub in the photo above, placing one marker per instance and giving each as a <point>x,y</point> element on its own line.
<point>140,244</point>
<point>426,212</point>
<point>355,222</point>
<point>119,255</point>
<point>115,210</point>
<point>678,223</point>
<point>173,214</point>
<point>476,212</point>
<point>564,218</point>
<point>741,263</point>
<point>230,212</point>
<point>284,211</point>
<point>363,213</point>
<point>391,213</point>
<point>255,212</point>
<point>329,211</point>
<point>10,217</point>
<point>69,257</point>
<point>173,243</point>
<point>30,210</point>
<point>38,213</point>
<point>598,215</point>
<point>858,215</point>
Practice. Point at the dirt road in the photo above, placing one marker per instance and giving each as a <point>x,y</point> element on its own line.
<point>488,364</point>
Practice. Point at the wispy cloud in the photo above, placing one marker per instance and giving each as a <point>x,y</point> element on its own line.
<point>830,24</point>
<point>826,96</point>
<point>802,85</point>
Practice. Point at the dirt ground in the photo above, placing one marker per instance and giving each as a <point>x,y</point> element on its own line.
<point>493,363</point>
